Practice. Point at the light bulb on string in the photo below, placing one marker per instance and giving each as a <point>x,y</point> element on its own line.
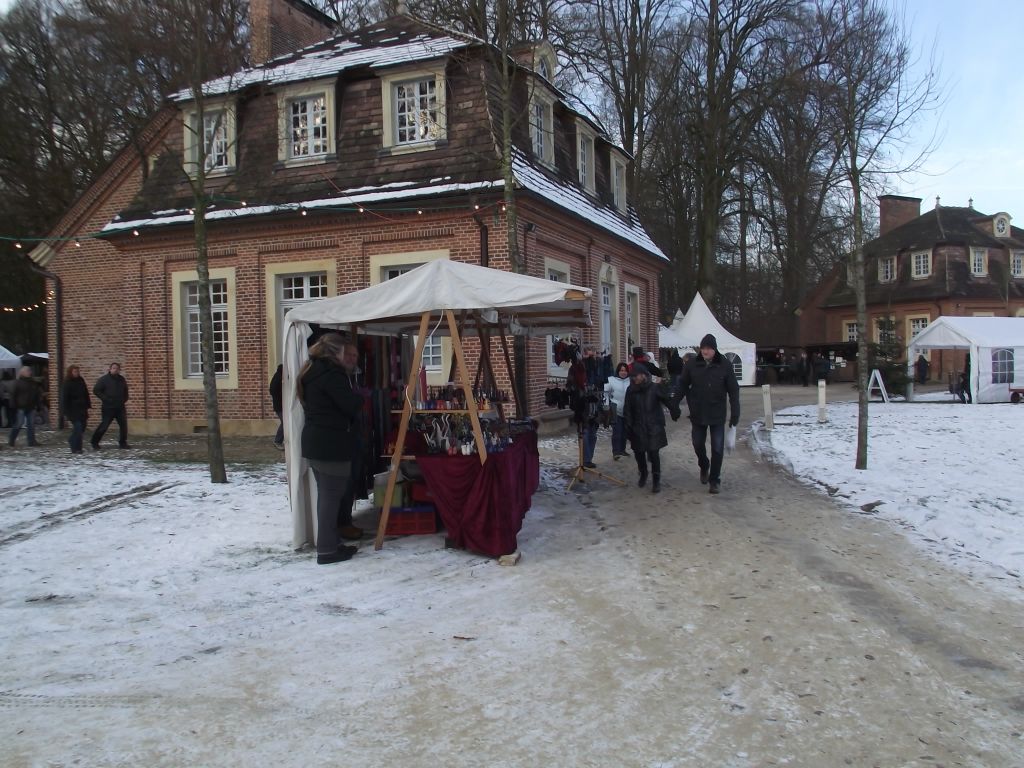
<point>135,232</point>
<point>18,246</point>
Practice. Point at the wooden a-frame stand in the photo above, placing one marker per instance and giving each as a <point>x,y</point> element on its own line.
<point>577,475</point>
<point>408,409</point>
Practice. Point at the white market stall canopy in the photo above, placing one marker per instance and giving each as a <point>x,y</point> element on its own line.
<point>8,359</point>
<point>687,331</point>
<point>996,347</point>
<point>512,303</point>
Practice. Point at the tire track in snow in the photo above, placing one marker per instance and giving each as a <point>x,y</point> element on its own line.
<point>46,521</point>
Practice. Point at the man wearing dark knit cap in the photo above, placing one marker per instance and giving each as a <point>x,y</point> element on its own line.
<point>707,381</point>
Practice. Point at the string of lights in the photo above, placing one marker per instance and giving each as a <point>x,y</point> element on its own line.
<point>30,307</point>
<point>20,242</point>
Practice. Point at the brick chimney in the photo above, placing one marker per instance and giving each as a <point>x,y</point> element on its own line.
<point>895,211</point>
<point>279,27</point>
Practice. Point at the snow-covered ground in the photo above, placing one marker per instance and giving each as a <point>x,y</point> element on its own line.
<point>148,617</point>
<point>951,475</point>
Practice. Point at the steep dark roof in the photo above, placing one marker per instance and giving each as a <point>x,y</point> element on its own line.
<point>942,226</point>
<point>963,228</point>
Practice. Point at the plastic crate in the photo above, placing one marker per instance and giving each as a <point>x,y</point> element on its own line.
<point>403,521</point>
<point>420,493</point>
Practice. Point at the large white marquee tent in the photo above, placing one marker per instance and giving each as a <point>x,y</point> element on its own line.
<point>996,347</point>
<point>686,332</point>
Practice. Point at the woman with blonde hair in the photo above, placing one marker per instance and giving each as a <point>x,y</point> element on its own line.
<point>330,436</point>
<point>75,397</point>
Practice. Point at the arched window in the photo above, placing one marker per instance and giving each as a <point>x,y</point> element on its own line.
<point>1002,366</point>
<point>737,364</point>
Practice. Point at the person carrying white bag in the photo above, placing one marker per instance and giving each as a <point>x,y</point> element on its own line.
<point>708,382</point>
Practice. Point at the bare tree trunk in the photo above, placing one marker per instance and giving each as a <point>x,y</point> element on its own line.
<point>857,258</point>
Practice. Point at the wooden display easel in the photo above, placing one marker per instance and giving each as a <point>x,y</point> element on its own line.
<point>577,475</point>
<point>408,409</point>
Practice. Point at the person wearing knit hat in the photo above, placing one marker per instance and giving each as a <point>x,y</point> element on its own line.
<point>645,423</point>
<point>707,382</point>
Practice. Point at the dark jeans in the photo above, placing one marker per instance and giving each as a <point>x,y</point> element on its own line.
<point>26,416</point>
<point>589,442</point>
<point>108,415</point>
<point>77,433</point>
<point>349,497</point>
<point>330,490</point>
<point>641,462</point>
<point>619,436</point>
<point>699,432</point>
<point>279,437</point>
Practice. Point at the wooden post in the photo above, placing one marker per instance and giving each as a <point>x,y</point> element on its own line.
<point>460,359</point>
<point>403,427</point>
<point>766,398</point>
<point>822,418</point>
<point>511,372</point>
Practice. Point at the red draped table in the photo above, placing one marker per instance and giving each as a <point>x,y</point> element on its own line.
<point>482,506</point>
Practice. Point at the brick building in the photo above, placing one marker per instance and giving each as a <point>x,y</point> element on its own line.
<point>950,261</point>
<point>328,170</point>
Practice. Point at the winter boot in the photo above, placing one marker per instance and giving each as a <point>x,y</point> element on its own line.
<point>655,483</point>
<point>642,481</point>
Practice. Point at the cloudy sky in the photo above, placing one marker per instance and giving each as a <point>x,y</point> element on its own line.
<point>976,135</point>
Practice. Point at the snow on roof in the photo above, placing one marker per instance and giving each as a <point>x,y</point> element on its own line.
<point>328,62</point>
<point>575,201</point>
<point>345,198</point>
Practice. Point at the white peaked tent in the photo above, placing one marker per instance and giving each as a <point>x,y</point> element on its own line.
<point>8,359</point>
<point>509,303</point>
<point>996,347</point>
<point>686,332</point>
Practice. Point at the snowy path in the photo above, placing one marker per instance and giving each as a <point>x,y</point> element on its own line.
<point>766,626</point>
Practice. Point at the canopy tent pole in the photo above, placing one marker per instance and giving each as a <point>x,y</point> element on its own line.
<point>403,427</point>
<point>460,358</point>
<point>511,372</point>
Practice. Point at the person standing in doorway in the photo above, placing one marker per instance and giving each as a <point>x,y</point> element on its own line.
<point>76,406</point>
<point>25,398</point>
<point>277,399</point>
<point>708,382</point>
<point>921,369</point>
<point>329,441</point>
<point>965,381</point>
<point>112,390</point>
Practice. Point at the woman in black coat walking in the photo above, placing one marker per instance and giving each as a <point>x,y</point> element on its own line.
<point>330,436</point>
<point>645,423</point>
<point>77,403</point>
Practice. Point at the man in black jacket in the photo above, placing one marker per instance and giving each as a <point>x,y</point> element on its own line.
<point>277,400</point>
<point>112,391</point>
<point>25,397</point>
<point>706,383</point>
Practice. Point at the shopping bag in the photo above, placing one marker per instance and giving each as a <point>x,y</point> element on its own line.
<point>730,438</point>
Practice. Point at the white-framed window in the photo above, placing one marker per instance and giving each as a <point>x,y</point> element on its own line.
<point>188,363</point>
<point>557,271</point>
<point>1017,264</point>
<point>632,317</point>
<point>885,330</point>
<point>850,331</point>
<point>585,157</point>
<point>416,115</point>
<point>306,123</point>
<point>542,128</point>
<point>217,137</point>
<point>979,262</point>
<point>288,284</point>
<point>922,262</point>
<point>219,314</point>
<point>607,302</point>
<point>293,290</point>
<point>618,181</point>
<point>415,111</point>
<point>1002,366</point>
<point>886,269</point>
<point>737,364</point>
<point>433,354</point>
<point>915,325</point>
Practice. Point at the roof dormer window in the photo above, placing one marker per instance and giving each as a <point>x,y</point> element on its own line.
<point>585,156</point>
<point>618,181</point>
<point>215,142</point>
<point>544,61</point>
<point>305,123</point>
<point>1001,225</point>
